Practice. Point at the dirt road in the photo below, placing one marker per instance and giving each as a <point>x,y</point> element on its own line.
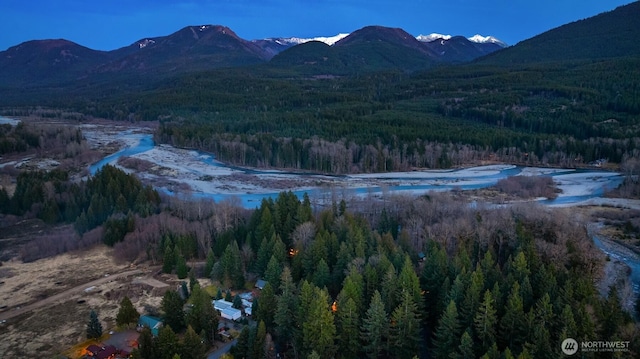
<point>65,295</point>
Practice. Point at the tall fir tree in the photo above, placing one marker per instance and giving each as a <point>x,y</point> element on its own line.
<point>472,298</point>
<point>168,343</point>
<point>347,328</point>
<point>173,312</point>
<point>404,336</point>
<point>273,272</point>
<point>286,312</point>
<point>513,328</point>
<point>192,346</point>
<point>266,306</point>
<point>485,322</point>
<point>374,331</point>
<point>257,345</point>
<point>319,329</point>
<point>447,333</point>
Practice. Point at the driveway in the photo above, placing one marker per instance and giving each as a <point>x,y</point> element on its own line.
<point>222,350</point>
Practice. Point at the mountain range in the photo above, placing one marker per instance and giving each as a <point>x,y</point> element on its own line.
<point>204,47</point>
<point>59,63</point>
<point>571,92</point>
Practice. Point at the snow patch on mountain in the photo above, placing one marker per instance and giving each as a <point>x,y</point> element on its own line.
<point>486,39</point>
<point>297,40</point>
<point>432,37</point>
<point>475,38</point>
<point>144,43</point>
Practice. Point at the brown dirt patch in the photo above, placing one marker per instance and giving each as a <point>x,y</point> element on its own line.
<point>62,283</point>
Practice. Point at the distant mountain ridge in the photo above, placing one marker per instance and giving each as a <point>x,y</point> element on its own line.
<point>611,34</point>
<point>63,64</point>
<point>204,47</point>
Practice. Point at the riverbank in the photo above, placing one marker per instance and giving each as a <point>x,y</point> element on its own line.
<point>193,173</point>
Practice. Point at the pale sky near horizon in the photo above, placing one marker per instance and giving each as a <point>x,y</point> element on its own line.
<point>111,24</point>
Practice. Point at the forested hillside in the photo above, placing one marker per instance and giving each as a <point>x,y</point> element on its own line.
<point>607,35</point>
<point>563,114</point>
<point>573,101</point>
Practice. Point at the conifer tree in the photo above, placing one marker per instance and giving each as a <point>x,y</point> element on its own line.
<point>202,317</point>
<point>319,329</point>
<point>240,350</point>
<point>321,275</point>
<point>167,343</point>
<point>434,274</point>
<point>353,287</point>
<point>127,314</point>
<point>408,281</point>
<point>374,329</point>
<point>146,344</point>
<point>404,334</point>
<point>390,289</point>
<point>273,272</point>
<point>211,260</point>
<point>347,327</point>
<point>447,333</point>
<point>184,290</point>
<point>266,305</point>
<point>192,346</point>
<point>485,322</point>
<point>513,325</point>
<point>94,327</point>
<point>286,312</point>
<point>257,345</point>
<point>465,349</point>
<point>173,312</point>
<point>168,261</point>
<point>237,302</point>
<point>472,299</point>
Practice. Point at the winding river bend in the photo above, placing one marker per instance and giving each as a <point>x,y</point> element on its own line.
<point>578,186</point>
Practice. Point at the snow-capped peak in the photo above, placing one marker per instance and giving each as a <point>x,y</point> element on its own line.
<point>297,40</point>
<point>432,37</point>
<point>486,39</point>
<point>476,38</point>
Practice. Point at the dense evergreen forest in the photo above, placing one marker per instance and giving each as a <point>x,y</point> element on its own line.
<point>565,114</point>
<point>554,114</point>
<point>431,277</point>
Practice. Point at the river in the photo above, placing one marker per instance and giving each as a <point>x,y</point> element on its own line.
<point>578,186</point>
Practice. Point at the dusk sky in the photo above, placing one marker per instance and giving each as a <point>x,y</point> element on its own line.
<point>111,24</point>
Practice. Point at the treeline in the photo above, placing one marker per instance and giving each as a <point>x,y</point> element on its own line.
<point>559,114</point>
<point>566,114</point>
<point>63,143</point>
<point>109,199</point>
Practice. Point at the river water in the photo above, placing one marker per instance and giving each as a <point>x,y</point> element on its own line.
<point>581,185</point>
<point>591,184</point>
